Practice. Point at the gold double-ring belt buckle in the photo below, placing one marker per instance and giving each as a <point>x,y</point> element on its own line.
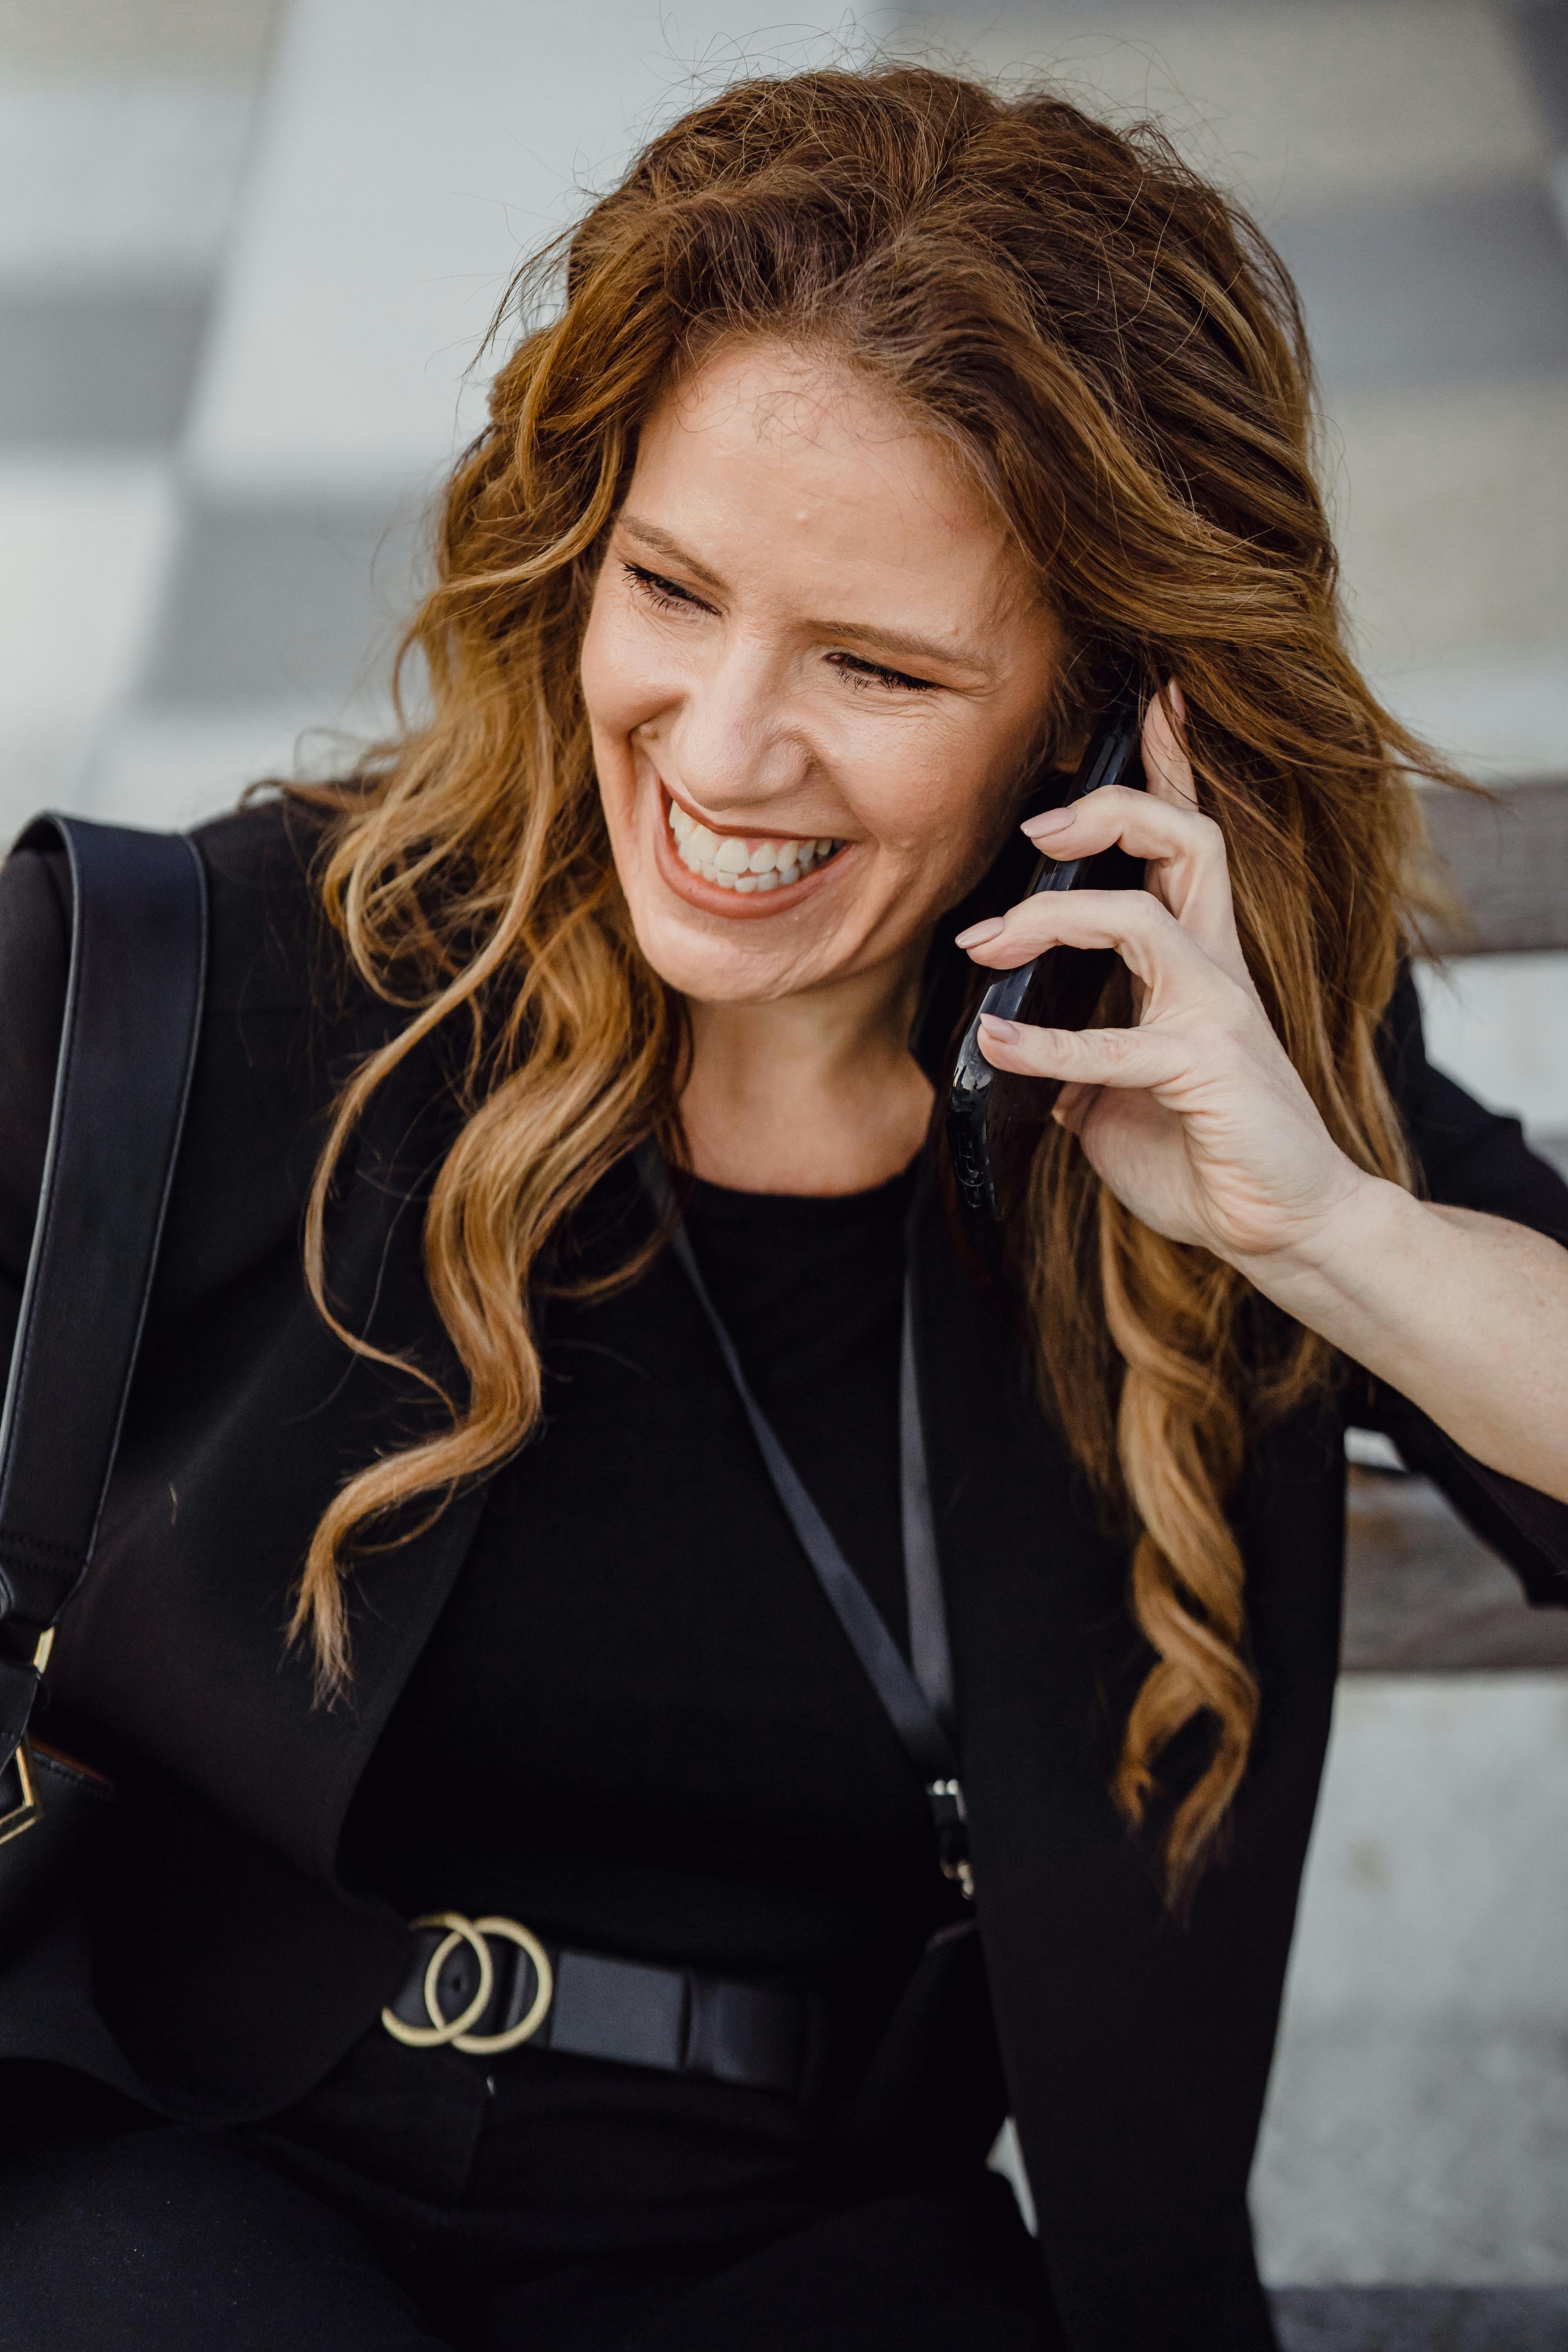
<point>456,2029</point>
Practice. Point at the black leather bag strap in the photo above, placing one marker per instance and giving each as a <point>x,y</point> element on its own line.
<point>918,1704</point>
<point>929,1653</point>
<point>133,999</point>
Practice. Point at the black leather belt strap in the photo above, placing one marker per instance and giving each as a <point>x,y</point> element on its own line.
<point>133,999</point>
<point>678,2021</point>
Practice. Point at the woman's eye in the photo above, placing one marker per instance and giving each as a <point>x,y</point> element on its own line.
<point>866,673</point>
<point>665,595</point>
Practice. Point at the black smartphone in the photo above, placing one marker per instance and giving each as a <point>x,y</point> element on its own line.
<point>987,1110</point>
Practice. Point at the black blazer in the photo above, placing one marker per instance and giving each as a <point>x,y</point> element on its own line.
<point>220,1967</point>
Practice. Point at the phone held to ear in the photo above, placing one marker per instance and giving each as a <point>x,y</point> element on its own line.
<point>1057,989</point>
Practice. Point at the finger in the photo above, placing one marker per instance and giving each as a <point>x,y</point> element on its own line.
<point>1165,763</point>
<point>1169,777</point>
<point>1197,887</point>
<point>1182,850</point>
<point>1087,1059</point>
<point>1145,827</point>
<point>1157,950</point>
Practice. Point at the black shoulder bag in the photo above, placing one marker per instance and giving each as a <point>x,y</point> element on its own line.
<point>133,998</point>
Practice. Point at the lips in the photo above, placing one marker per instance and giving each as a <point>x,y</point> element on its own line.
<point>738,874</point>
<point>745,862</point>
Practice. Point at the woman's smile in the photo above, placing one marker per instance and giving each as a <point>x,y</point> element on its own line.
<point>724,871</point>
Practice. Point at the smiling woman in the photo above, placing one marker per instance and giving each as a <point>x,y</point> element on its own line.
<point>663,1682</point>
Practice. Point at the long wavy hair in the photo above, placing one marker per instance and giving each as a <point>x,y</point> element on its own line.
<point>1118,357</point>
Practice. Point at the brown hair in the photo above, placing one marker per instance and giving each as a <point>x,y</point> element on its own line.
<point>1120,358</point>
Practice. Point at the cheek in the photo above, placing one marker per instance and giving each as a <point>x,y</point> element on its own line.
<point>608,675</point>
<point>939,804</point>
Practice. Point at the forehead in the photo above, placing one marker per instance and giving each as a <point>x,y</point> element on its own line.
<point>812,452</point>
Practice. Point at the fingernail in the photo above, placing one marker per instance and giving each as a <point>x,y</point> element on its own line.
<point>1005,1032</point>
<point>978,933</point>
<point>1055,820</point>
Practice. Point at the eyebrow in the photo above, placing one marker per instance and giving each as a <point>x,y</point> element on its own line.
<point>894,641</point>
<point>665,543</point>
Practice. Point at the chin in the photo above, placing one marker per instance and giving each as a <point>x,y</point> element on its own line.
<point>743,967</point>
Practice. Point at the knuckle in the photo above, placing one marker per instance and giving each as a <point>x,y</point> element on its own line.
<point>1113,1048</point>
<point>1149,913</point>
<point>1028,922</point>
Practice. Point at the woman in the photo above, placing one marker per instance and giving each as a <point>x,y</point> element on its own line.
<point>882,428</point>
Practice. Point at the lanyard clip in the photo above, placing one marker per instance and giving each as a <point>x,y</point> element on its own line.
<point>952,1824</point>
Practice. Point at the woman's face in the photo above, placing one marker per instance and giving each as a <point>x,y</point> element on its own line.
<point>814,667</point>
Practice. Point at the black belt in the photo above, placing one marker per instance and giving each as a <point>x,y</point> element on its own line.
<point>490,1985</point>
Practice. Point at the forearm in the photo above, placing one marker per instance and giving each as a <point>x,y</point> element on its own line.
<point>1465,1315</point>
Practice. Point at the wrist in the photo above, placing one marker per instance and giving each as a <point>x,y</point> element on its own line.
<point>1337,1255</point>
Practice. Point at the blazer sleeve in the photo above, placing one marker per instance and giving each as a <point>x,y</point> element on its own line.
<point>1469,1157</point>
<point>34,955</point>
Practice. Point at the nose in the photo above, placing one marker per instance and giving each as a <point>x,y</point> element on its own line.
<point>733,746</point>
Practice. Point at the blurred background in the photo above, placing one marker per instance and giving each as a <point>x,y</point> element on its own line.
<point>248,251</point>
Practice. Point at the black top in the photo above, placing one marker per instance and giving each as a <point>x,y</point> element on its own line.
<point>638,1726</point>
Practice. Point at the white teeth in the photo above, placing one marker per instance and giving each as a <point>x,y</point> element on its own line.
<point>728,860</point>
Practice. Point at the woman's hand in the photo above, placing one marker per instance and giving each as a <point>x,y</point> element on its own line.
<point>1195,1118</point>
<point>1199,1123</point>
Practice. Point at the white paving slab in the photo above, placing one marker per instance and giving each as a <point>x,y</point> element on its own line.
<point>1495,718</point>
<point>102,178</point>
<point>82,546</point>
<point>1417,2127</point>
<point>1500,1025</point>
<point>412,153</point>
<point>1416,2152</point>
<point>1436,1886</point>
<point>1450,504</point>
<point>136,40</point>
<point>178,767</point>
<point>1297,105</point>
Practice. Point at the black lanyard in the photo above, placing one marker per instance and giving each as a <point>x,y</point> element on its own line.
<point>918,1704</point>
